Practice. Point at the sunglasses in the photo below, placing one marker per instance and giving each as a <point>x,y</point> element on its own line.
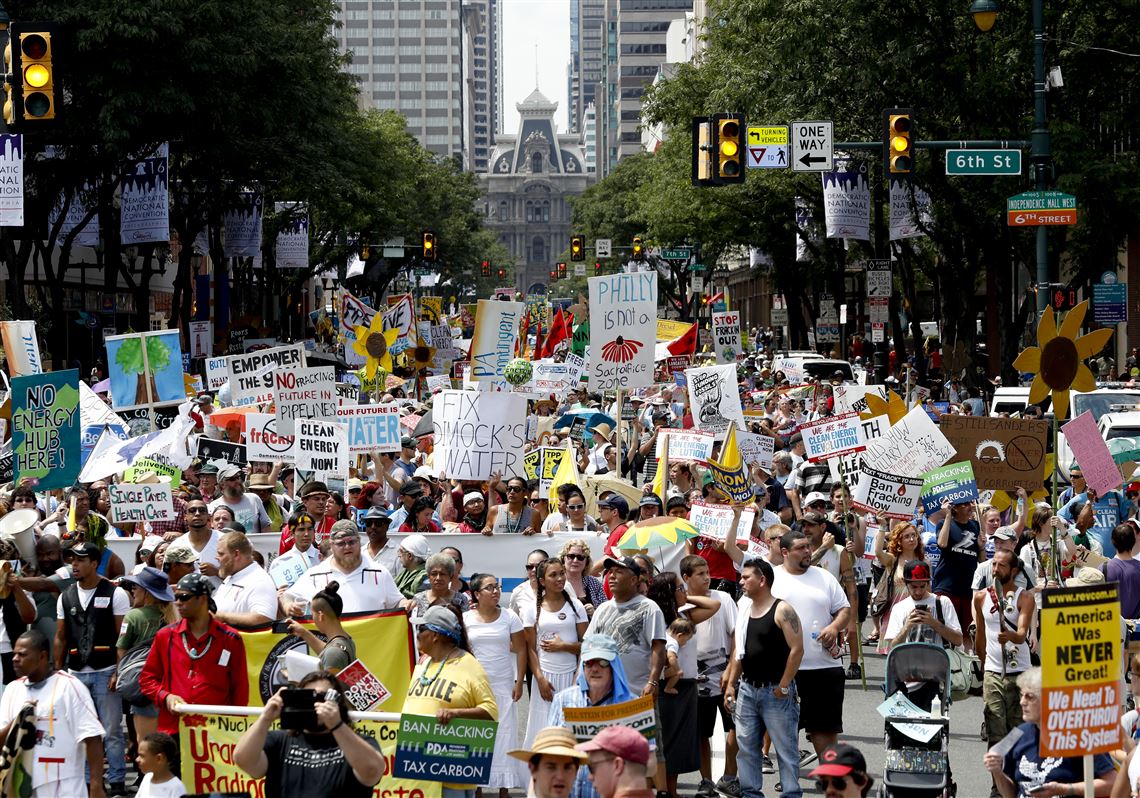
<point>532,567</point>
<point>184,597</point>
<point>575,556</point>
<point>514,488</point>
<point>196,510</point>
<point>377,522</point>
<point>535,502</point>
<point>839,782</point>
<point>575,507</point>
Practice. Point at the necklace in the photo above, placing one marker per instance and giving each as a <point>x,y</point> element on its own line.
<point>518,524</point>
<point>424,680</point>
<point>194,653</point>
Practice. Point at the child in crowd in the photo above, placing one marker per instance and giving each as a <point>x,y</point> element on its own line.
<point>157,760</point>
<point>680,632</point>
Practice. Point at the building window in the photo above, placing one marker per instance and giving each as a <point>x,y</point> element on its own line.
<point>536,164</point>
<point>504,210</point>
<point>537,250</point>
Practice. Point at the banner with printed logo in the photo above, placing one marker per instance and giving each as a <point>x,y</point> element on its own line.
<point>954,482</point>
<point>910,210</point>
<point>623,330</point>
<point>371,428</point>
<point>76,217</point>
<point>832,436</point>
<point>847,204</point>
<point>292,245</point>
<point>586,723</point>
<point>891,494</point>
<point>21,347</point>
<point>11,180</point>
<point>479,433</point>
<point>264,443</point>
<point>243,226</point>
<point>685,445</point>
<point>45,429</point>
<point>459,751</point>
<point>493,344</point>
<point>144,200</point>
<point>715,399</point>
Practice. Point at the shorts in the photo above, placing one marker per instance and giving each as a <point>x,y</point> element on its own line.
<point>821,700</point>
<point>963,608</point>
<point>707,708</point>
<point>147,710</point>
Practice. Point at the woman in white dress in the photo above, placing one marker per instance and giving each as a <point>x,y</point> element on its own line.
<point>497,641</point>
<point>554,624</point>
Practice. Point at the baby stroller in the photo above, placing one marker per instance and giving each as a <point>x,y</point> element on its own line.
<point>916,769</point>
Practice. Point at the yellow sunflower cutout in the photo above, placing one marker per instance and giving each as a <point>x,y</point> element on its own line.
<point>421,355</point>
<point>893,407</point>
<point>1057,361</point>
<point>372,343</point>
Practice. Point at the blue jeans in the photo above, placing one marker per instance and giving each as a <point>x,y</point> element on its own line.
<point>109,706</point>
<point>759,710</point>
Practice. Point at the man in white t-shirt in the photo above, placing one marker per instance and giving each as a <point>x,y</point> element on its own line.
<point>365,586</point>
<point>67,732</point>
<point>246,507</point>
<point>247,596</point>
<point>200,539</point>
<point>824,612</point>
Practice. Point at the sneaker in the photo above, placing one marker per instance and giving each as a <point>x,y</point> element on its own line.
<point>855,671</point>
<point>807,757</point>
<point>706,789</point>
<point>730,786</point>
<point>769,766</point>
<point>117,789</point>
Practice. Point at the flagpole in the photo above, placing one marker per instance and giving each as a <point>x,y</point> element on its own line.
<point>857,644</point>
<point>618,425</point>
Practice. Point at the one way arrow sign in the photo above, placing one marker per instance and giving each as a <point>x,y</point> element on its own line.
<point>812,146</point>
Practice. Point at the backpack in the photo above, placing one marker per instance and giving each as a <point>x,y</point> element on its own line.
<point>965,669</point>
<point>129,670</point>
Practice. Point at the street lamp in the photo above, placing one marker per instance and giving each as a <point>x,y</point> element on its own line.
<point>1041,148</point>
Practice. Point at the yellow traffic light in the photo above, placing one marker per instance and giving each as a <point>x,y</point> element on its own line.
<point>577,248</point>
<point>702,152</point>
<point>430,250</point>
<point>898,141</point>
<point>37,83</point>
<point>729,129</point>
<point>638,248</point>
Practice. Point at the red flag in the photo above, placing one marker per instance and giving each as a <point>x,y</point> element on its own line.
<point>557,333</point>
<point>538,339</point>
<point>685,344</point>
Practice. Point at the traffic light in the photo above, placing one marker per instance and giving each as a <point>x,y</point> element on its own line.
<point>702,152</point>
<point>364,252</point>
<point>1062,297</point>
<point>431,251</point>
<point>486,268</point>
<point>597,269</point>
<point>577,248</point>
<point>30,73</point>
<point>638,248</point>
<point>561,271</point>
<point>502,274</point>
<point>553,275</point>
<point>898,141</point>
<point>729,131</point>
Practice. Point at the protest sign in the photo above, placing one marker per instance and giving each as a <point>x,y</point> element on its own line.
<point>685,445</point>
<point>882,492</point>
<point>21,347</point>
<point>365,690</point>
<point>714,520</point>
<point>832,436</point>
<point>845,469</point>
<point>371,428</point>
<point>756,449</point>
<point>1102,474</point>
<point>493,344</point>
<point>158,464</point>
<point>353,313</point>
<point>251,375</point>
<point>542,464</point>
<point>347,394</point>
<point>459,752</point>
<point>45,429</point>
<point>303,393</point>
<point>791,367</point>
<point>913,445</point>
<point>726,336</point>
<point>1080,670</point>
<point>140,503</point>
<point>262,441</point>
<point>322,447</point>
<point>550,377</point>
<point>623,322</point>
<point>715,398</point>
<point>217,374</point>
<point>213,449</point>
<point>954,482</point>
<point>438,382</point>
<point>729,473</point>
<point>145,369</point>
<point>586,722</point>
<point>478,433</point>
<point>853,398</point>
<point>1006,453</point>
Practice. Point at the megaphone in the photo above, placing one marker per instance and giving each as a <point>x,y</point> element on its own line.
<point>19,527</point>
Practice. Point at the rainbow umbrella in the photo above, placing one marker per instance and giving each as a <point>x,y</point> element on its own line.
<point>658,532</point>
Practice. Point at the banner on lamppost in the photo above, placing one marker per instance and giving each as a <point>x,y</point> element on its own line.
<point>144,211</point>
<point>11,180</point>
<point>243,226</point>
<point>292,247</point>
<point>847,204</point>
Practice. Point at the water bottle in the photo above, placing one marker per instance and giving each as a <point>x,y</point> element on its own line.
<point>815,630</point>
<point>936,707</point>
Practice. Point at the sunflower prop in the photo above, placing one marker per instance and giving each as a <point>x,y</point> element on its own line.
<point>372,343</point>
<point>421,355</point>
<point>893,407</point>
<point>1057,361</point>
<point>657,532</point>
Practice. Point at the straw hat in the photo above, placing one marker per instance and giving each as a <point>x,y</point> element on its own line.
<point>551,741</point>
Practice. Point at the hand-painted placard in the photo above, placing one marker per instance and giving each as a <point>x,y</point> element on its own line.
<point>954,481</point>
<point>493,344</point>
<point>623,325</point>
<point>881,492</point>
<point>1102,474</point>
<point>853,398</point>
<point>458,753</point>
<point>145,369</point>
<point>913,445</point>
<point>478,433</point>
<point>322,447</point>
<point>217,374</point>
<point>371,428</point>
<point>726,336</point>
<point>756,449</point>
<point>715,399</point>
<point>140,503</point>
<point>1006,453</point>
<point>303,393</point>
<point>832,436</point>
<point>45,429</point>
<point>251,374</point>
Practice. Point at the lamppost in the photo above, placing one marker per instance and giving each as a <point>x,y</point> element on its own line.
<point>985,14</point>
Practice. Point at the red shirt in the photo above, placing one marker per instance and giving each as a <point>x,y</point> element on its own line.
<point>217,677</point>
<point>720,564</point>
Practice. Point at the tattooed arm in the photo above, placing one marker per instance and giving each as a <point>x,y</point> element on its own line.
<point>787,620</point>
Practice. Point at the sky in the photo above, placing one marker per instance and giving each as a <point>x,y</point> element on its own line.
<point>525,24</point>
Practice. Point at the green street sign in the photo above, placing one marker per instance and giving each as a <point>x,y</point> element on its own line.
<point>680,253</point>
<point>1041,201</point>
<point>983,162</point>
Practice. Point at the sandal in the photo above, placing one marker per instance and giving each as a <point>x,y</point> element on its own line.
<point>871,639</point>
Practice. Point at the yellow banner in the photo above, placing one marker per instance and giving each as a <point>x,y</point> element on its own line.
<point>383,644</point>
<point>667,329</point>
<point>431,309</point>
<point>1080,670</point>
<point>208,742</point>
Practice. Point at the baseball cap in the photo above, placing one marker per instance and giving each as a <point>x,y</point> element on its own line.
<point>598,646</point>
<point>621,741</point>
<point>196,585</point>
<point>649,499</point>
<point>408,442</point>
<point>624,562</point>
<point>204,399</point>
<point>1005,533</point>
<point>424,472</point>
<point>439,616</point>
<point>617,503</point>
<point>839,759</point>
<point>86,549</point>
<point>353,484</point>
<point>411,488</point>
<point>815,496</point>
<point>180,552</point>
<point>916,571</point>
<point>812,517</point>
<point>344,528</point>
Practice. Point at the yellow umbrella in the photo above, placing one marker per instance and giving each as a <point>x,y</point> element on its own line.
<point>658,532</point>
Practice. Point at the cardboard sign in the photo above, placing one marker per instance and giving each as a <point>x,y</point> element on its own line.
<point>371,428</point>
<point>459,752</point>
<point>726,336</point>
<point>714,520</point>
<point>881,492</point>
<point>478,433</point>
<point>853,398</point>
<point>791,367</point>
<point>211,449</point>
<point>1102,474</point>
<point>217,373</point>
<point>322,447</point>
<point>1006,453</point>
<point>251,375</point>
<point>686,445</point>
<point>365,690</point>
<point>623,324</point>
<point>715,399</point>
<point>1080,670</point>
<point>913,445</point>
<point>845,469</point>
<point>45,428</point>
<point>756,449</point>
<point>303,393</point>
<point>140,503</point>
<point>954,482</point>
<point>832,436</point>
<point>264,443</point>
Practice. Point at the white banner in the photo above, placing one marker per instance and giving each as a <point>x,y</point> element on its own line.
<point>714,521</point>
<point>714,399</point>
<point>322,447</point>
<point>251,375</point>
<point>623,330</point>
<point>303,393</point>
<point>292,247</point>
<point>847,205</point>
<point>832,436</point>
<point>493,343</point>
<point>478,433</point>
<point>756,449</point>
<point>905,214</point>
<point>140,503</point>
<point>914,445</point>
<point>853,398</point>
<point>686,445</point>
<point>21,347</point>
<point>144,214</point>
<point>881,492</point>
<point>263,443</point>
<point>77,210</point>
<point>371,428</point>
<point>11,180</point>
<point>726,336</point>
<point>243,226</point>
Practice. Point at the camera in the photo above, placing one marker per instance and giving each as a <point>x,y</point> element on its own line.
<point>299,712</point>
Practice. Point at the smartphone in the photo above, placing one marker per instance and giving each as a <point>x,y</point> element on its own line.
<point>1036,789</point>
